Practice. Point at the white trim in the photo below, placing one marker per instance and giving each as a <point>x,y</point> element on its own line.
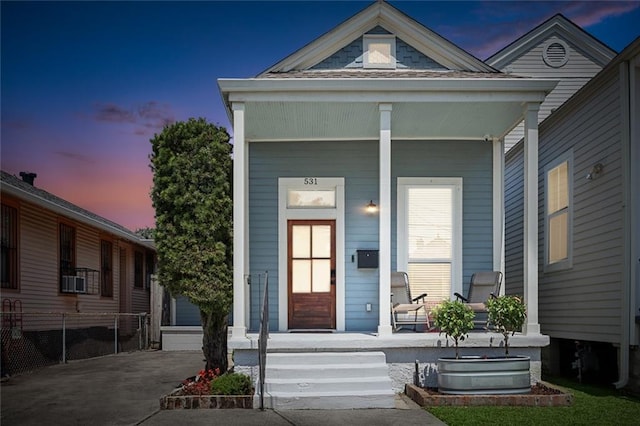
<point>530,239</point>
<point>498,209</point>
<point>402,257</point>
<point>384,212</point>
<point>568,262</point>
<point>240,313</point>
<point>285,214</point>
<point>394,21</point>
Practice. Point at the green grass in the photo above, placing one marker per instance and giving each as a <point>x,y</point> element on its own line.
<point>592,405</point>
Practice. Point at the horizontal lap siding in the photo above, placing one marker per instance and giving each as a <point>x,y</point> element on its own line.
<point>583,302</point>
<point>514,221</point>
<point>357,162</point>
<point>39,280</point>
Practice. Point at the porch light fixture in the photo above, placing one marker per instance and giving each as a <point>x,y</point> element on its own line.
<point>371,207</point>
<point>595,171</point>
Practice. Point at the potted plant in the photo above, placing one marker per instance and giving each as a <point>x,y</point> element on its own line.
<point>506,316</point>
<point>454,319</point>
<point>482,374</point>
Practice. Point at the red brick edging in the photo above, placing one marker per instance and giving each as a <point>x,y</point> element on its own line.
<point>425,399</point>
<point>178,402</point>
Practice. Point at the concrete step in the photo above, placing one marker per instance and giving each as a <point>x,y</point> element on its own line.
<point>298,371</point>
<point>327,380</point>
<point>312,358</point>
<point>330,384</point>
<point>329,401</point>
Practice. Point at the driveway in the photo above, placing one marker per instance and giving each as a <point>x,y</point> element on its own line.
<point>125,389</point>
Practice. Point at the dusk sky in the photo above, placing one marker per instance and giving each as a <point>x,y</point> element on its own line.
<point>85,85</point>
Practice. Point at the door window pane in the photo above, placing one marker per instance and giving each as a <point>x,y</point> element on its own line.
<point>301,241</point>
<point>301,276</point>
<point>321,275</point>
<point>321,241</point>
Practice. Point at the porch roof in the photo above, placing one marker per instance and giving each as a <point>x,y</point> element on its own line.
<point>441,107</point>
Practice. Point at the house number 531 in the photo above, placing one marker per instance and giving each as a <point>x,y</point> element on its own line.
<point>310,181</point>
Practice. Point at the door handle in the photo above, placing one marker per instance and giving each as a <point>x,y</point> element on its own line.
<point>333,277</point>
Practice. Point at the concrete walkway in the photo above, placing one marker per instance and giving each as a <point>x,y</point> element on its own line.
<point>125,389</point>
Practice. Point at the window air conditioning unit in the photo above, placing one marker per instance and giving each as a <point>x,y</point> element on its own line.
<point>73,284</point>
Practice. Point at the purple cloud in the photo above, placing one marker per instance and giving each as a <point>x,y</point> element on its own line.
<point>113,113</point>
<point>509,20</point>
<point>150,115</point>
<point>75,156</point>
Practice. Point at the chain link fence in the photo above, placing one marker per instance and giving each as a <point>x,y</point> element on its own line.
<point>31,340</point>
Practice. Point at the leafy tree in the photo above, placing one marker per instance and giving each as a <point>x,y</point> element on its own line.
<point>145,232</point>
<point>191,194</point>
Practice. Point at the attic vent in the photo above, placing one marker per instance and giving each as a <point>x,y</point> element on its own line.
<point>556,54</point>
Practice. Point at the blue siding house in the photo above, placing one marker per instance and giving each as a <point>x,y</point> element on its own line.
<point>377,147</point>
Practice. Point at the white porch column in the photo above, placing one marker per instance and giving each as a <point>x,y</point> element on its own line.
<point>498,208</point>
<point>239,329</point>
<point>531,218</point>
<point>384,325</point>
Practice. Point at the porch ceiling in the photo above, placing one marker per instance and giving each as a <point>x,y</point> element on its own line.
<point>281,120</point>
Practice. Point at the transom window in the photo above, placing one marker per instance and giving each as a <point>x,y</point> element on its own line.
<point>311,198</point>
<point>558,178</point>
<point>379,51</point>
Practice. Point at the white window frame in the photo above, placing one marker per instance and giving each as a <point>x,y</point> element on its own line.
<point>567,263</point>
<point>367,39</point>
<point>286,213</point>
<point>402,256</point>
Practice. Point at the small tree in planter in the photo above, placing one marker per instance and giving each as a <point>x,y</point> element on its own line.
<point>506,315</point>
<point>454,319</point>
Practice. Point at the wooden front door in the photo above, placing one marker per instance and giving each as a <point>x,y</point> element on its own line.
<point>311,266</point>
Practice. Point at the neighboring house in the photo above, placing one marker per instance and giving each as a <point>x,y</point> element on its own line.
<point>557,49</point>
<point>588,212</point>
<point>58,257</point>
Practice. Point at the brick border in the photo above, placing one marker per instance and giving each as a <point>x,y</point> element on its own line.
<point>179,402</point>
<point>424,399</point>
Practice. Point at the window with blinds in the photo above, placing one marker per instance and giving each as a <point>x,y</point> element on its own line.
<point>428,223</point>
<point>558,212</point>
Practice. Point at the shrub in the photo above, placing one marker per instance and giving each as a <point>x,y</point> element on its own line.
<point>231,384</point>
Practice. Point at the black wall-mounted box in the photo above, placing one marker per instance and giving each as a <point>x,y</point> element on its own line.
<point>367,259</point>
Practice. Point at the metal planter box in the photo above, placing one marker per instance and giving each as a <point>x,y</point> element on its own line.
<point>478,375</point>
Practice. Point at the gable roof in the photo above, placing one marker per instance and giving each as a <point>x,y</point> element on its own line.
<point>18,188</point>
<point>401,25</point>
<point>556,25</point>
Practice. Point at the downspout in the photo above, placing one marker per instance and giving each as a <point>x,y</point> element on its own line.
<point>625,146</point>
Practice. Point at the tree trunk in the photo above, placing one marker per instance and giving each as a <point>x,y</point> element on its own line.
<point>214,341</point>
